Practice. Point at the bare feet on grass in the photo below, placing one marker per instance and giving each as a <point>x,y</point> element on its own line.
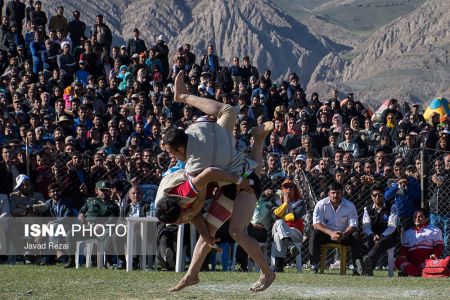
<point>184,283</point>
<point>181,90</point>
<point>264,281</point>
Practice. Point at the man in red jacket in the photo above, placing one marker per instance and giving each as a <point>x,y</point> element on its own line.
<point>288,229</point>
<point>418,244</point>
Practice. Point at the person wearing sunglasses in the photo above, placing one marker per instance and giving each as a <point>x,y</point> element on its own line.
<point>379,228</point>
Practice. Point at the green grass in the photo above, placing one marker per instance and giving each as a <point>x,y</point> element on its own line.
<point>53,282</point>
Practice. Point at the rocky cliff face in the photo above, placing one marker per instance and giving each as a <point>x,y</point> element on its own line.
<point>256,28</point>
<point>407,58</point>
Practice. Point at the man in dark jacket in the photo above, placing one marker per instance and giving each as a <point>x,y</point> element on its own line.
<point>76,29</point>
<point>162,52</point>
<point>379,227</point>
<point>210,62</point>
<point>15,10</point>
<point>136,45</point>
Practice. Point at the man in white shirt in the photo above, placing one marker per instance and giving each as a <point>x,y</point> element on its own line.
<point>335,220</point>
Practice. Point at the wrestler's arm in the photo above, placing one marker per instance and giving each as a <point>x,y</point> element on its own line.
<point>212,174</point>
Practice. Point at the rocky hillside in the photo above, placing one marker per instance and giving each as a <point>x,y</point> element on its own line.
<point>407,58</point>
<point>256,28</point>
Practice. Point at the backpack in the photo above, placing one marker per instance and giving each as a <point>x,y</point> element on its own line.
<point>437,268</point>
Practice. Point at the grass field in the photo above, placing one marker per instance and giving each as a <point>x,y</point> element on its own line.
<point>18,282</point>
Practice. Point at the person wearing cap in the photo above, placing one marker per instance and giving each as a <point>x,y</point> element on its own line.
<point>162,53</point>
<point>24,200</point>
<point>65,60</point>
<point>289,227</point>
<point>100,206</point>
<point>82,74</point>
<point>76,29</point>
<point>136,45</point>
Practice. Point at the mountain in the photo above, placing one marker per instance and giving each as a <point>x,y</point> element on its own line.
<point>375,48</point>
<point>256,28</point>
<point>405,59</point>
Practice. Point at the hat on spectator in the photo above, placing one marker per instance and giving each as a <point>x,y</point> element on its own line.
<point>20,179</point>
<point>102,185</point>
<point>20,47</point>
<point>134,96</point>
<point>253,78</point>
<point>63,119</point>
<point>288,183</point>
<point>301,157</point>
<point>135,55</point>
<point>135,30</point>
<point>70,140</point>
<point>64,44</point>
<point>160,38</point>
<point>123,47</point>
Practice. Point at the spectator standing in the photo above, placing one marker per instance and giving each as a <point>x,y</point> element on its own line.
<point>136,45</point>
<point>210,62</point>
<point>405,193</point>
<point>15,10</point>
<point>76,29</point>
<point>58,21</point>
<point>162,53</point>
<point>102,34</point>
<point>38,17</point>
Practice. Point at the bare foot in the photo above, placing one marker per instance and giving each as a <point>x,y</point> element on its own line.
<point>261,131</point>
<point>180,88</point>
<point>264,281</point>
<point>184,283</point>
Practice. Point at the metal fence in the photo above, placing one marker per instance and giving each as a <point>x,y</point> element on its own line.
<point>78,175</point>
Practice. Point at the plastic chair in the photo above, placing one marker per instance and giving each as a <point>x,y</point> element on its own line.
<point>89,246</point>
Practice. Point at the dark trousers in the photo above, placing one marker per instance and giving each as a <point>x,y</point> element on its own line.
<point>378,248</point>
<point>318,238</point>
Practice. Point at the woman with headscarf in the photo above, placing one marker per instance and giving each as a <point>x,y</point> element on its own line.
<point>122,71</point>
<point>126,79</point>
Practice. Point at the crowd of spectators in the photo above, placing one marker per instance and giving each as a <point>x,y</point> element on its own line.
<point>76,109</point>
